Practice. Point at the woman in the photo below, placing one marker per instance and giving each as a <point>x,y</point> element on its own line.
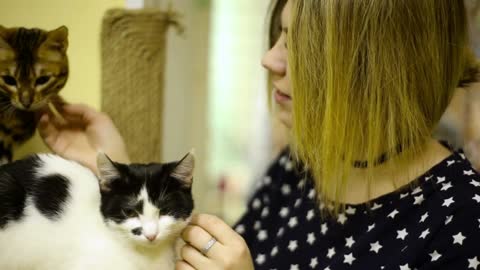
<point>361,84</point>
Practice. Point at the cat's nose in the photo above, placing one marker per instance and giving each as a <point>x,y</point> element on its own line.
<point>26,100</point>
<point>151,238</point>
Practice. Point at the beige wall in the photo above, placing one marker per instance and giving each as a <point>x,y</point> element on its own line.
<point>83,18</point>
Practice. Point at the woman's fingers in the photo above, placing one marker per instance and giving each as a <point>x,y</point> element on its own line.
<point>199,238</point>
<point>216,228</point>
<point>195,258</point>
<point>182,265</point>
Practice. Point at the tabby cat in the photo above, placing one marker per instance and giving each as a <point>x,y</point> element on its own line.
<point>33,69</point>
<point>57,215</point>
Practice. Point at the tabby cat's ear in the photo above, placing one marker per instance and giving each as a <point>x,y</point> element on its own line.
<point>5,49</point>
<point>108,172</point>
<point>183,172</point>
<point>58,38</point>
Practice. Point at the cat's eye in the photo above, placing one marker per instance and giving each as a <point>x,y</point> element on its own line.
<point>42,80</point>
<point>9,80</point>
<point>130,213</point>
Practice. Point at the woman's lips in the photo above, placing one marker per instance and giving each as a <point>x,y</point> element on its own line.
<point>281,97</point>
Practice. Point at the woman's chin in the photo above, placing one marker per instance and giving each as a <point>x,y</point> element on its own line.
<point>285,117</point>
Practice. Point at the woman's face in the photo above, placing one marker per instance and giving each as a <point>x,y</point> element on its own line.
<point>275,61</point>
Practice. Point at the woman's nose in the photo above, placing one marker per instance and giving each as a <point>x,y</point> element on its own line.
<point>275,60</point>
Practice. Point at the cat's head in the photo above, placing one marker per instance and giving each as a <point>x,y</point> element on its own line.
<point>146,203</point>
<point>33,65</point>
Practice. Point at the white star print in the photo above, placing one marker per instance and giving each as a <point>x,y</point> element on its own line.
<point>240,229</point>
<point>351,211</point>
<point>462,155</point>
<point>371,227</point>
<point>284,212</point>
<point>419,199</point>
<point>446,186</point>
<point>427,178</point>
<point>280,231</point>
<point>292,245</point>
<point>450,163</point>
<point>435,256</point>
<point>403,195</point>
<point>405,267</point>
<point>417,190</point>
<point>310,214</point>
<point>440,180</point>
<point>376,206</point>
<point>342,218</point>
<point>375,247</point>
<point>473,263</point>
<point>393,214</point>
<point>294,267</point>
<point>286,189</point>
<point>331,253</point>
<point>282,160</point>
<point>256,204</point>
<point>288,166</point>
<point>475,183</point>
<point>425,233</point>
<point>324,228</point>
<point>297,203</point>
<point>257,225</point>
<point>327,268</point>
<point>424,217</point>
<point>301,184</point>
<point>458,239</point>
<point>349,241</point>
<point>313,262</point>
<point>267,180</point>
<point>469,172</point>
<point>262,235</point>
<point>349,258</point>
<point>448,202</point>
<point>322,206</point>
<point>260,259</point>
<point>402,234</point>
<point>265,212</point>
<point>477,198</point>
<point>311,194</point>
<point>448,220</point>
<point>311,238</point>
<point>292,222</point>
<point>274,251</point>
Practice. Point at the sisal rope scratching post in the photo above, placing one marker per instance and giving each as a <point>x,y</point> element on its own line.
<point>133,66</point>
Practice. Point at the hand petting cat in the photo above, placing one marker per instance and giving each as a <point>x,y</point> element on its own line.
<point>85,132</point>
<point>213,245</point>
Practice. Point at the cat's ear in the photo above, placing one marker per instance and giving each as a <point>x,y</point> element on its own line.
<point>108,172</point>
<point>58,38</point>
<point>5,49</point>
<point>183,171</point>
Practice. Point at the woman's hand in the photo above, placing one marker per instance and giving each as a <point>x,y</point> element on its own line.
<point>230,252</point>
<point>85,132</point>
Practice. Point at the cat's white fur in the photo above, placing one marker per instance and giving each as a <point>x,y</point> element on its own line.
<point>80,239</point>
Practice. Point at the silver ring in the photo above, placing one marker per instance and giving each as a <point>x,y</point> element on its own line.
<point>208,245</point>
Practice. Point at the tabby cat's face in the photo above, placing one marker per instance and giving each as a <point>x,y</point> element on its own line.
<point>146,203</point>
<point>33,65</point>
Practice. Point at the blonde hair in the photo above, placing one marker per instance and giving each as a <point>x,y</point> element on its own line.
<point>368,77</point>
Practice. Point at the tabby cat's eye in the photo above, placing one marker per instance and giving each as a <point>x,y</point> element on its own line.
<point>9,80</point>
<point>130,213</point>
<point>42,80</point>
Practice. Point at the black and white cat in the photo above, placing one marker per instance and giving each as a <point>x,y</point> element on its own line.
<point>57,215</point>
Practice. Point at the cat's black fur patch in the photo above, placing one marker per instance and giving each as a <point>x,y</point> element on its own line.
<point>165,192</point>
<point>18,182</point>
<point>50,195</point>
<point>15,184</point>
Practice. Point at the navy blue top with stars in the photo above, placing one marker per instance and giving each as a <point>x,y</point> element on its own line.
<point>435,225</point>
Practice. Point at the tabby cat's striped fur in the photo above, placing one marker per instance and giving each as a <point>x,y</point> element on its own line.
<point>33,69</point>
